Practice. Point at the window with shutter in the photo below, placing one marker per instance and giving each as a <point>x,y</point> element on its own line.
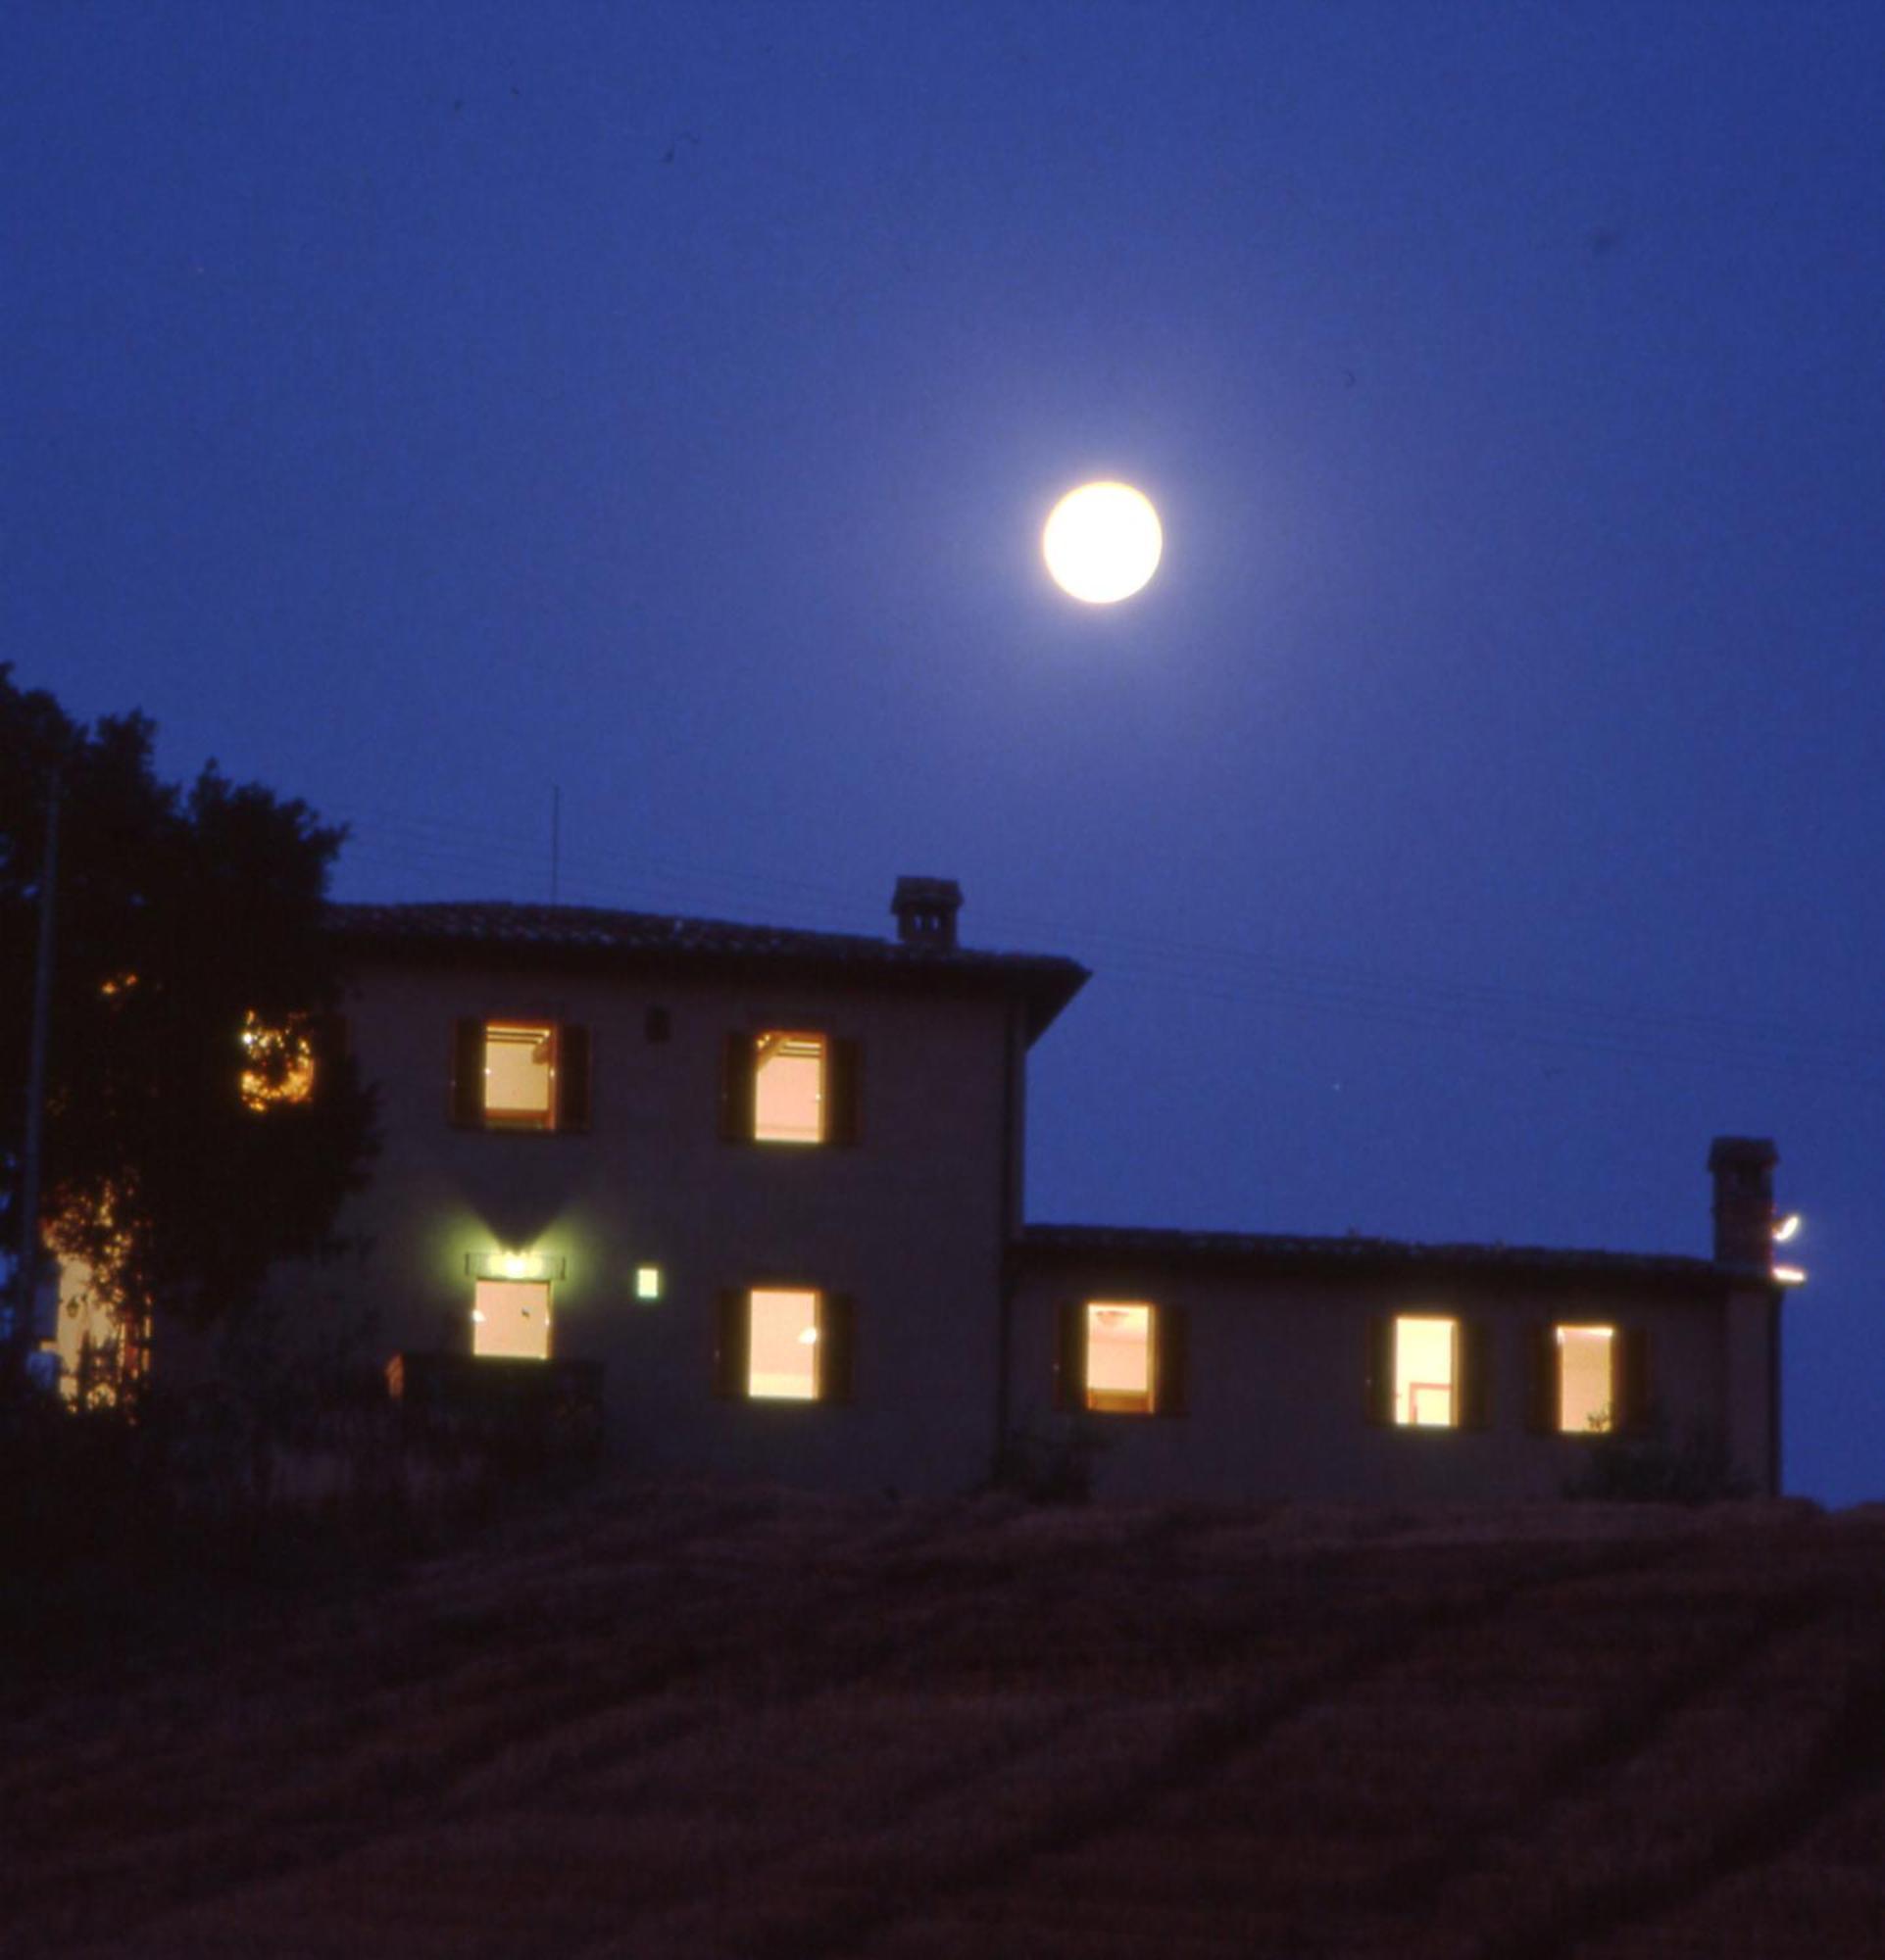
<point>1586,1380</point>
<point>1426,1371</point>
<point>519,1075</point>
<point>1121,1359</point>
<point>785,1344</point>
<point>789,1086</point>
<point>789,1100</point>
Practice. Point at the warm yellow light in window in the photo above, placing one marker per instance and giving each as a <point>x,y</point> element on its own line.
<point>789,1088</point>
<point>278,1063</point>
<point>510,1318</point>
<point>519,1072</point>
<point>782,1363</point>
<point>1119,1356</point>
<point>647,1282</point>
<point>1586,1378</point>
<point>1425,1370</point>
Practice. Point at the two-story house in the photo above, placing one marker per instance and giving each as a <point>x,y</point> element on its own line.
<point>769,1183</point>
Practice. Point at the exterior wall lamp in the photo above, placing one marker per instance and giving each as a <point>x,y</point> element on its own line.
<point>515,1265</point>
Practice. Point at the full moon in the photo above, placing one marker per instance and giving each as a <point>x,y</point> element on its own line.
<point>1102,541</point>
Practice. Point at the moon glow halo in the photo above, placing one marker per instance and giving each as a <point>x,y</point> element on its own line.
<point>1103,542</point>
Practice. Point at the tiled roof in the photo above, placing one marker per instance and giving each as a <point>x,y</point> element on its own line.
<point>1279,1252</point>
<point>591,933</point>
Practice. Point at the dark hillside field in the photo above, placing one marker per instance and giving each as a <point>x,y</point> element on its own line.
<point>687,1723</point>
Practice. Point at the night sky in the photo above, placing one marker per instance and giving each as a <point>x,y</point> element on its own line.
<point>423,409</point>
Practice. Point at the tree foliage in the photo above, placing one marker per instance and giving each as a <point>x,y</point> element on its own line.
<point>184,918</point>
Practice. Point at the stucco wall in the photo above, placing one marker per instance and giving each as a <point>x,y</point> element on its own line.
<point>1276,1406</point>
<point>909,1220</point>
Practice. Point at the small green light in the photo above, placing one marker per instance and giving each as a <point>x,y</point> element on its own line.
<point>647,1282</point>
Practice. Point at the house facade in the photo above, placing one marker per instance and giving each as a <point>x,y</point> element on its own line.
<point>765,1187</point>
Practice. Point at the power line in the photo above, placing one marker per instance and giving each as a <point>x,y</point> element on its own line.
<point>1234,975</point>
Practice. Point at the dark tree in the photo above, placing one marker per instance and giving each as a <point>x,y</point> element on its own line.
<point>201,1118</point>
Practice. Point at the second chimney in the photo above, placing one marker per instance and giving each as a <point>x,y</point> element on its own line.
<point>1743,1171</point>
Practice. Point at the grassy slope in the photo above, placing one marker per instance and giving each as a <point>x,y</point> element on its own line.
<point>700,1724</point>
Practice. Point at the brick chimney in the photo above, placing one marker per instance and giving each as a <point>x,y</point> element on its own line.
<point>1743,1171</point>
<point>925,909</point>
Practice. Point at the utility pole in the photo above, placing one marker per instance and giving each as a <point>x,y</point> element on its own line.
<point>26,1272</point>
<point>555,838</point>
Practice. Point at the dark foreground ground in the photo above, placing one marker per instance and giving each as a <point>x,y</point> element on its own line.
<point>698,1724</point>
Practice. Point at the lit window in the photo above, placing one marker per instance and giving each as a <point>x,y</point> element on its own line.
<point>519,1073</point>
<point>522,1074</point>
<point>789,1088</point>
<point>510,1318</point>
<point>277,1062</point>
<point>1586,1378</point>
<point>1426,1352</point>
<point>647,1282</point>
<point>782,1353</point>
<point>1119,1374</point>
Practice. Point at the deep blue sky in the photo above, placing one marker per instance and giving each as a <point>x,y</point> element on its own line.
<point>421,408</point>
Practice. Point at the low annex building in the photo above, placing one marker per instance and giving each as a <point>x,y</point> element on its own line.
<point>760,1190</point>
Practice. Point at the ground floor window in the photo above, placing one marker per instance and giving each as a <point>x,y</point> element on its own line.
<point>1120,1362</point>
<point>782,1353</point>
<point>1120,1357</point>
<point>510,1318</point>
<point>1586,1378</point>
<point>784,1344</point>
<point>1426,1371</point>
<point>1589,1378</point>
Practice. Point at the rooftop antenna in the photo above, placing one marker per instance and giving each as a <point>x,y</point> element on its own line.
<point>556,837</point>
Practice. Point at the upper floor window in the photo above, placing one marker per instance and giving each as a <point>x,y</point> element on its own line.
<point>789,1086</point>
<point>1121,1357</point>
<point>522,1074</point>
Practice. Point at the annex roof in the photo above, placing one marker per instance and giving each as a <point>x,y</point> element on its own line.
<point>541,935</point>
<point>1293,1253</point>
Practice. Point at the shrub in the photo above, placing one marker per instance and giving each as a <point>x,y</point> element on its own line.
<point>1654,1467</point>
